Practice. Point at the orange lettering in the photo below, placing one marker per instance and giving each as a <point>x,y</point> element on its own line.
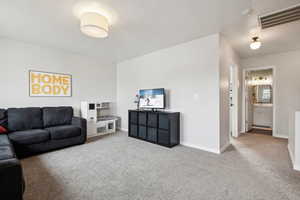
<point>65,89</point>
<point>35,77</point>
<point>46,89</point>
<point>35,88</point>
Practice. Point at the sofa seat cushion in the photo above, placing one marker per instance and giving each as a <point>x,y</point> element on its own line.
<point>33,136</point>
<point>63,132</point>
<point>57,116</point>
<point>4,140</point>
<point>21,119</point>
<point>6,152</point>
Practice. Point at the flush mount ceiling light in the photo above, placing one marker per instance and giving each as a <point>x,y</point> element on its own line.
<point>255,44</point>
<point>94,25</point>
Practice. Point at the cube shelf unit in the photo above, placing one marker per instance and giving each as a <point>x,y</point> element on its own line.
<point>161,128</point>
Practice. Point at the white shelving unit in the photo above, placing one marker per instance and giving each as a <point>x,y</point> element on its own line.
<point>99,118</point>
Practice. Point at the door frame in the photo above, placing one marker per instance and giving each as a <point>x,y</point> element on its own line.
<point>234,110</point>
<point>274,82</point>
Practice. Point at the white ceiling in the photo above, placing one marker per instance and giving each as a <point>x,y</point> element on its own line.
<point>277,39</point>
<point>141,26</point>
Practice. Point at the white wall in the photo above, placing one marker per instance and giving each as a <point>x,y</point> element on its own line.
<point>287,87</point>
<point>91,80</point>
<point>190,74</point>
<point>297,142</point>
<point>228,58</point>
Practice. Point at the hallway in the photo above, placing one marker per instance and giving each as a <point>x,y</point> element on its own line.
<point>269,156</point>
<point>264,151</point>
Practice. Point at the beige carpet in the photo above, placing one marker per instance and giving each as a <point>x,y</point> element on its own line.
<point>116,167</point>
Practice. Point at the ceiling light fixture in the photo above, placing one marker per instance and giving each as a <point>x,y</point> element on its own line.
<point>255,44</point>
<point>94,25</point>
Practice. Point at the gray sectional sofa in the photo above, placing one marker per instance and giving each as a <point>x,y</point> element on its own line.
<point>32,131</point>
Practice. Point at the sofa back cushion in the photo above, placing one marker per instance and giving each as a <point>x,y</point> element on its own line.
<point>20,119</point>
<point>3,114</point>
<point>56,116</point>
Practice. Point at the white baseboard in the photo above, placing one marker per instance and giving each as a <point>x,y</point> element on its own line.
<point>123,129</point>
<point>281,136</point>
<point>295,166</point>
<point>225,147</point>
<point>201,148</point>
<point>291,154</point>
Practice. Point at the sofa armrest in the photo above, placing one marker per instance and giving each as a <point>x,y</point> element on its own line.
<point>80,122</point>
<point>11,179</point>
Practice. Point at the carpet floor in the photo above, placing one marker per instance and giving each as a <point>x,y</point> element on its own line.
<point>116,167</point>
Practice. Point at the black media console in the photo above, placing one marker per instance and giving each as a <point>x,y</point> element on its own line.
<point>161,128</point>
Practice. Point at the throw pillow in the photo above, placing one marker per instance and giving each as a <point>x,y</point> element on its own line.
<point>3,121</point>
<point>3,130</point>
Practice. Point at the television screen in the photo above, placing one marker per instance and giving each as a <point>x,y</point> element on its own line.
<point>152,98</point>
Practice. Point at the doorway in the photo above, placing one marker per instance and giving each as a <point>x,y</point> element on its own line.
<point>259,101</point>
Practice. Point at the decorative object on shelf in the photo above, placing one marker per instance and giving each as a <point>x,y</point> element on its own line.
<point>100,120</point>
<point>137,101</point>
<point>49,84</point>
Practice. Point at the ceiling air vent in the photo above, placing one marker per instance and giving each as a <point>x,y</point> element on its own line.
<point>280,17</point>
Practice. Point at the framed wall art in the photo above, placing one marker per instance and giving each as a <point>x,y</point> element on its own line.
<point>49,84</point>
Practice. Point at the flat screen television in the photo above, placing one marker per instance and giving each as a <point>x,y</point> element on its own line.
<point>152,98</point>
